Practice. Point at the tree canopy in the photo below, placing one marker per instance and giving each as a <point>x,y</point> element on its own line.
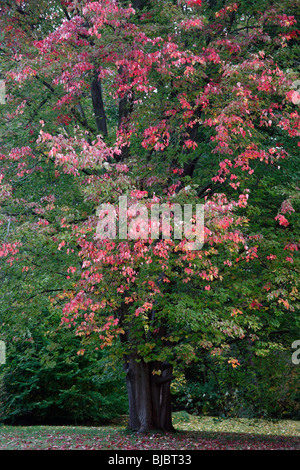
<point>170,102</point>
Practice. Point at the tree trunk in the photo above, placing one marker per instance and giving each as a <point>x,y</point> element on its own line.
<point>149,396</point>
<point>98,105</point>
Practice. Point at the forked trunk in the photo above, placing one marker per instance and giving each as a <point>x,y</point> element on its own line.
<point>149,396</point>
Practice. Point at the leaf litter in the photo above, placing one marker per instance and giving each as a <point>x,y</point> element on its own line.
<point>193,433</point>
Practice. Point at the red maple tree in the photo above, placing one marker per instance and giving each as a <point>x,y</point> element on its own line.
<point>134,97</point>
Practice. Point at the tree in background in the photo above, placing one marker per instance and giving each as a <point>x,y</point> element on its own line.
<point>161,102</point>
<point>45,381</point>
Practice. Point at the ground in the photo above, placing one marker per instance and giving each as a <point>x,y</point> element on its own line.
<point>193,433</point>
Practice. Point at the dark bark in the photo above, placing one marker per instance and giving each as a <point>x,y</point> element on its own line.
<point>149,396</point>
<point>148,393</point>
<point>98,105</point>
<point>139,396</point>
<point>161,398</point>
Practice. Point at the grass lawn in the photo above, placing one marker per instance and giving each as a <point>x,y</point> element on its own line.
<point>193,433</point>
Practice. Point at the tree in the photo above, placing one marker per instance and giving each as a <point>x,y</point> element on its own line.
<point>164,103</point>
<point>46,381</point>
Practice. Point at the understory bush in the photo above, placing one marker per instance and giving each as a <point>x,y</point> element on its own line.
<point>268,388</point>
<point>46,380</point>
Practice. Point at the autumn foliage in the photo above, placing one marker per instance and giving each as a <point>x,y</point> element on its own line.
<point>164,102</point>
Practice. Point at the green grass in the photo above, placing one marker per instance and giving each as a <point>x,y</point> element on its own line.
<point>193,433</point>
<point>187,422</point>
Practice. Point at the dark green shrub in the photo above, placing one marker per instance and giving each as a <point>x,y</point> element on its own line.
<point>46,381</point>
<point>268,388</point>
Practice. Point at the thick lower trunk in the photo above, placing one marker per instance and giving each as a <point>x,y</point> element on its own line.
<point>149,397</point>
